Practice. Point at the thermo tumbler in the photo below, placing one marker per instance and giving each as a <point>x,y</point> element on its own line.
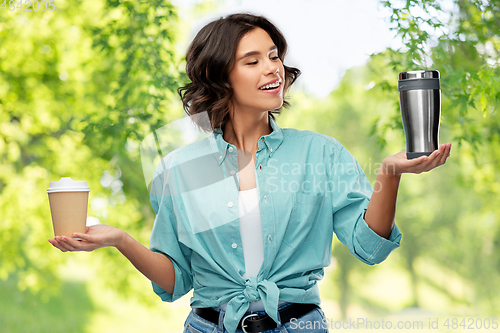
<point>420,103</point>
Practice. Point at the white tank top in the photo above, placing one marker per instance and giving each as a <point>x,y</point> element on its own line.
<point>251,237</point>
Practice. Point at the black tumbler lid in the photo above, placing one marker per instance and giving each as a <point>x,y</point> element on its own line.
<point>426,74</point>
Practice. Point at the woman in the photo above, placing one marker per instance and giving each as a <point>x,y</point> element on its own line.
<point>246,216</point>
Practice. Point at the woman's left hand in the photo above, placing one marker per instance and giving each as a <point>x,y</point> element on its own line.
<point>398,163</point>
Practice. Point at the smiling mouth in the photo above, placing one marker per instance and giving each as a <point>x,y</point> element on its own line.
<point>271,86</point>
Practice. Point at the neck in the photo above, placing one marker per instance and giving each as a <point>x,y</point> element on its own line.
<point>244,130</point>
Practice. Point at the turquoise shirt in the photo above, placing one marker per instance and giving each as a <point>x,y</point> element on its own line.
<point>309,187</point>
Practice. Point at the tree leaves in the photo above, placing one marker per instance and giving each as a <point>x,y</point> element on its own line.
<point>466,53</point>
<point>78,91</point>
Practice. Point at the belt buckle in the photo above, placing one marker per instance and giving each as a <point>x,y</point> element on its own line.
<point>245,318</point>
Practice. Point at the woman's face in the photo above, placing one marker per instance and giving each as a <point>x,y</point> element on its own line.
<point>256,66</point>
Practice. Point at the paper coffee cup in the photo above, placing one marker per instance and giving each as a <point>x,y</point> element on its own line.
<point>68,201</point>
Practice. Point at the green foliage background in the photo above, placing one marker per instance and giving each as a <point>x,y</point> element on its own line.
<point>80,88</point>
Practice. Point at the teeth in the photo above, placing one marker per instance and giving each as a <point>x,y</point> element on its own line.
<point>272,85</point>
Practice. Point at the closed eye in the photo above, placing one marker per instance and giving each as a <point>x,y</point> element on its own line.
<point>255,62</point>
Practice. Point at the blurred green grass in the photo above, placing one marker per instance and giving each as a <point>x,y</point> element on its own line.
<point>22,311</point>
<point>84,305</point>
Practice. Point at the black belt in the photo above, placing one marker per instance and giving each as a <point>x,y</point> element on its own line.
<point>254,323</point>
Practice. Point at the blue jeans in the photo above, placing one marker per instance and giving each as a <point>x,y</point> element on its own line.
<point>312,322</point>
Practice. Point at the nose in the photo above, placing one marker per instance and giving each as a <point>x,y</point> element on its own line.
<point>272,67</point>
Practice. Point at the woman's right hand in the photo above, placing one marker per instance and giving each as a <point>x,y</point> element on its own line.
<point>96,236</point>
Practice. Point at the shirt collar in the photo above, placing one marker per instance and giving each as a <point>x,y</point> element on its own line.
<point>271,142</point>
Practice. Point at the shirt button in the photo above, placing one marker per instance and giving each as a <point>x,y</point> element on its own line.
<point>232,172</point>
<point>262,140</point>
<point>230,149</point>
<point>234,245</point>
<point>220,157</point>
<point>271,150</point>
<point>230,204</point>
<point>260,166</point>
<point>270,238</point>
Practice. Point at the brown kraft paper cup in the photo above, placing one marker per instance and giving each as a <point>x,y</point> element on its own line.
<point>68,201</point>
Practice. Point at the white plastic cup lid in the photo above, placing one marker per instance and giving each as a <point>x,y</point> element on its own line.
<point>66,184</point>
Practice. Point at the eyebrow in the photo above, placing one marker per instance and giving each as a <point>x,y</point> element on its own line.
<point>251,53</point>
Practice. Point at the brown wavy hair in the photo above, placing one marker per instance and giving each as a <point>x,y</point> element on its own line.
<point>210,59</point>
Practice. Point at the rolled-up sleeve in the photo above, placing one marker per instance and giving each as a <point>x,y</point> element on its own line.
<point>350,198</point>
<point>371,247</point>
<point>164,239</point>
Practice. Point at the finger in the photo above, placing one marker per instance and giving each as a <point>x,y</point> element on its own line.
<point>428,164</point>
<point>75,244</point>
<point>86,237</point>
<point>88,242</point>
<point>426,161</point>
<point>56,245</point>
<point>415,165</point>
<point>435,163</point>
<point>415,162</point>
<point>60,246</point>
<point>432,156</point>
<point>448,151</point>
<point>438,154</point>
<point>446,154</point>
<point>64,244</point>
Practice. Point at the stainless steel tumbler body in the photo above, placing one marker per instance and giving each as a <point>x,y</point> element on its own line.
<point>420,103</point>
